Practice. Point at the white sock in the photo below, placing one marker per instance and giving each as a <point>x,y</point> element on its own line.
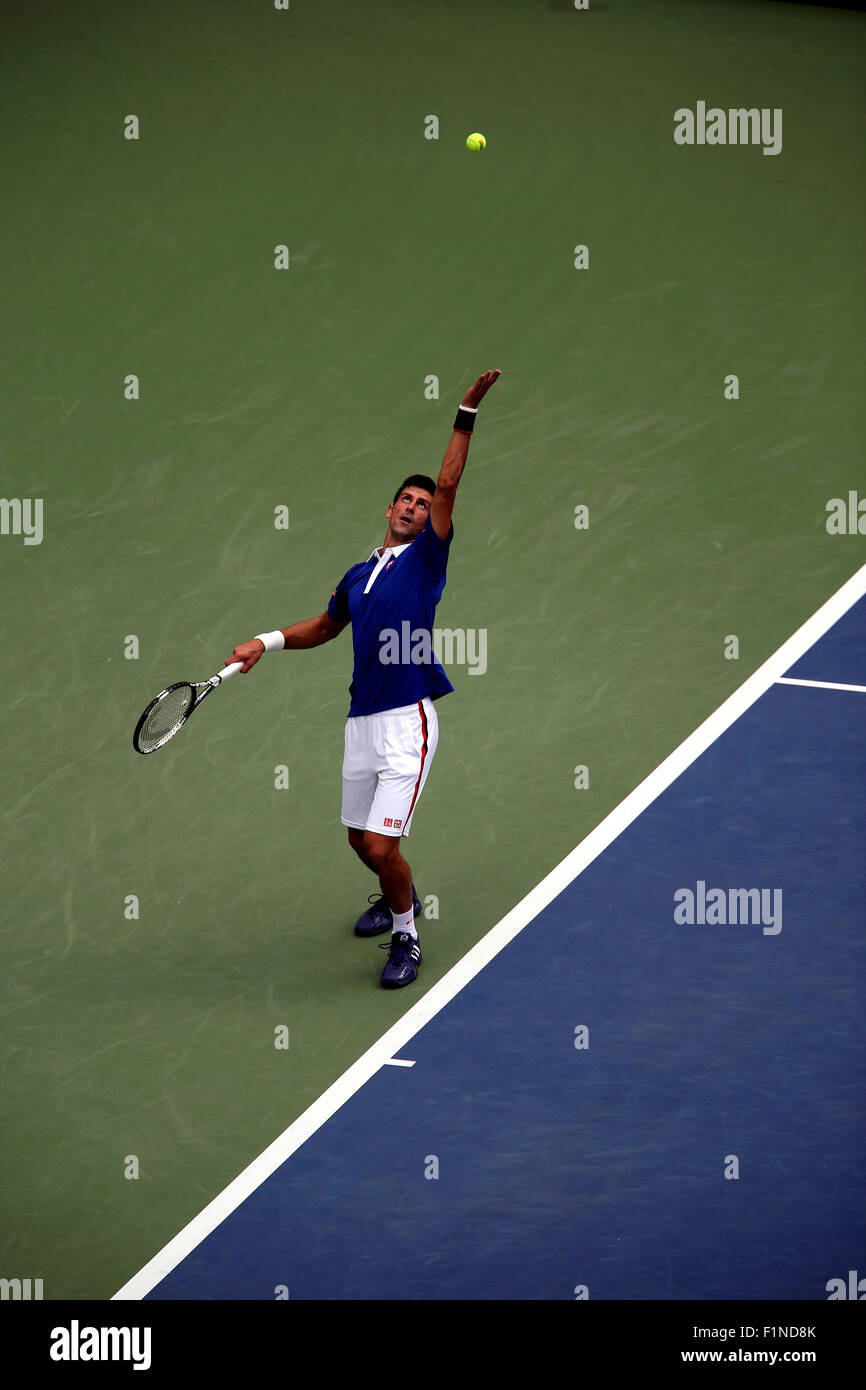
<point>404,922</point>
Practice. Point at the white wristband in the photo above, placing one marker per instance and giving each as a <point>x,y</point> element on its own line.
<point>473,408</point>
<point>273,641</point>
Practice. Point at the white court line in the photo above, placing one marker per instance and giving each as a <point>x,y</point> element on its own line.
<point>480,955</point>
<point>823,685</point>
<point>398,1062</point>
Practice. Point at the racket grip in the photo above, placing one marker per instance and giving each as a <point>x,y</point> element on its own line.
<point>230,670</point>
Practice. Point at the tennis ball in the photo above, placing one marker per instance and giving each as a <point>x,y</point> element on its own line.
<point>475,142</point>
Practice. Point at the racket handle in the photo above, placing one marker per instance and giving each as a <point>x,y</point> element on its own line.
<point>230,670</point>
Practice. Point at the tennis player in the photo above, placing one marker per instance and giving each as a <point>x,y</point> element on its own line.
<point>392,728</point>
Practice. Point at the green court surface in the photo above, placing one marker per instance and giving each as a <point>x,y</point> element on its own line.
<point>304,388</point>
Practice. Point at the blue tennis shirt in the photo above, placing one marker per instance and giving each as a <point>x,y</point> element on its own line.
<point>391,601</point>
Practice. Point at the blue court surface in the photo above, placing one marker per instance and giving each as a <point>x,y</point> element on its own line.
<point>703,1139</point>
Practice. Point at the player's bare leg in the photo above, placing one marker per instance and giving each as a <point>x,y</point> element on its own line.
<point>395,879</point>
<point>380,917</point>
<point>382,854</point>
<point>356,840</point>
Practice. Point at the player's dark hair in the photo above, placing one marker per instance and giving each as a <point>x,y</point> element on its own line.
<point>416,480</point>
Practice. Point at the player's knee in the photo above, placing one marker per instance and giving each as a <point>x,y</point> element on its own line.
<point>380,849</point>
<point>356,840</point>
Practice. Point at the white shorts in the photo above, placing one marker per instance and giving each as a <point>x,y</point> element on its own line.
<point>385,764</point>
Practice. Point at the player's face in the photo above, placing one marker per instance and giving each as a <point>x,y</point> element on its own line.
<point>407,516</point>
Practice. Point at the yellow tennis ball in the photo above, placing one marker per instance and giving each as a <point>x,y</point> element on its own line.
<point>475,142</point>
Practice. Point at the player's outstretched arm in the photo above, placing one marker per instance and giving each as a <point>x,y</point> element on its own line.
<point>455,459</point>
<point>313,632</point>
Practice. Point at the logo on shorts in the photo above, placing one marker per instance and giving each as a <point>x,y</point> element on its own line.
<point>389,820</point>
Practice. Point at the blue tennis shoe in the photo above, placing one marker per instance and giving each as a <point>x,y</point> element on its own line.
<point>378,918</point>
<point>404,958</point>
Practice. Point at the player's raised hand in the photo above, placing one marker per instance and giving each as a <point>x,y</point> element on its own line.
<point>248,653</point>
<point>476,393</point>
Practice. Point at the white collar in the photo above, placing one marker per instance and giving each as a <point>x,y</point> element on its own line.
<point>383,557</point>
<point>394,549</point>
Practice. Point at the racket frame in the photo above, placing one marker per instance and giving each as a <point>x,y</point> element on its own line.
<point>205,687</point>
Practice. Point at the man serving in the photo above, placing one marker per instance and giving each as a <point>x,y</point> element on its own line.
<point>392,728</point>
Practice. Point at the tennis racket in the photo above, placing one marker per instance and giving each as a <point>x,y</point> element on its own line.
<point>171,708</point>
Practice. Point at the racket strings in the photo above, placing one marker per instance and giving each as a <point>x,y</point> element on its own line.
<point>165,717</point>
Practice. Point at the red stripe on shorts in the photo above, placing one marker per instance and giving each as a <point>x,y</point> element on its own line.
<point>423,760</point>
